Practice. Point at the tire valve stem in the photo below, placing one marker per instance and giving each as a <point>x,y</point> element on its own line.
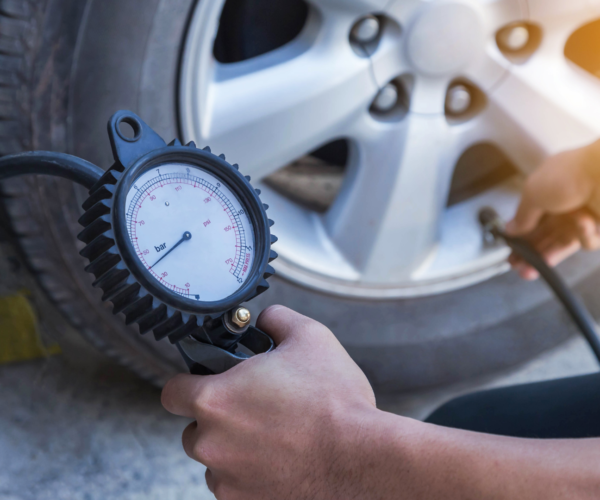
<point>492,225</point>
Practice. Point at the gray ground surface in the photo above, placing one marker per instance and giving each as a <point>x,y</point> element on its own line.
<point>102,434</point>
<point>77,426</point>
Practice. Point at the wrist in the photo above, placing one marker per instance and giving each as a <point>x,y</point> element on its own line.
<point>380,452</point>
<point>397,457</point>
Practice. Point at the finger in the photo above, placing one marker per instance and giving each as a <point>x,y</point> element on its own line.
<point>548,227</point>
<point>536,239</point>
<point>183,394</point>
<point>527,272</point>
<point>552,243</point>
<point>561,251</point>
<point>524,270</point>
<point>591,243</point>
<point>554,250</point>
<point>587,230</point>
<point>527,217</point>
<point>282,324</point>
<point>555,232</point>
<point>542,246</point>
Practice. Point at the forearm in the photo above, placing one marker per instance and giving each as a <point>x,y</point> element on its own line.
<point>412,460</point>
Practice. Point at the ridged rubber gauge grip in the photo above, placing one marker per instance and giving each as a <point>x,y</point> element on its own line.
<point>130,284</point>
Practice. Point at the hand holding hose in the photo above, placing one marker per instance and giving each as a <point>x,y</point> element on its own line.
<point>559,211</point>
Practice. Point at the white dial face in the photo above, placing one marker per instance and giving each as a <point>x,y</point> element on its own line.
<point>190,232</point>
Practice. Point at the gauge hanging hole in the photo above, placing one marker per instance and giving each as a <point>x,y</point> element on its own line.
<point>129,129</point>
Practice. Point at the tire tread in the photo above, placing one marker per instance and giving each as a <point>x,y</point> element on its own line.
<point>21,32</point>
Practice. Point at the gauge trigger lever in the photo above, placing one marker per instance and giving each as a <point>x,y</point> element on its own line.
<point>207,359</point>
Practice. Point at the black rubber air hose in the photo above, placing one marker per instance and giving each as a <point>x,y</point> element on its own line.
<point>49,163</point>
<point>492,223</point>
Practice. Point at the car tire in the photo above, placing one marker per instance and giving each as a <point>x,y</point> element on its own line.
<point>67,66</point>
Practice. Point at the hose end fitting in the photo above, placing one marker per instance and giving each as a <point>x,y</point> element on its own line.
<point>492,224</point>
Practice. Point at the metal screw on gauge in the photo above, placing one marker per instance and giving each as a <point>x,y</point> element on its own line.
<point>458,99</point>
<point>366,29</point>
<point>515,38</point>
<point>386,98</point>
<point>241,317</point>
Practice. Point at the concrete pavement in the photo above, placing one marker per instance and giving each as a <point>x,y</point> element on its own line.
<point>79,427</point>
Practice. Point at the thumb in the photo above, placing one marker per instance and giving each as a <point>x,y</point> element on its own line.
<point>527,217</point>
<point>282,324</point>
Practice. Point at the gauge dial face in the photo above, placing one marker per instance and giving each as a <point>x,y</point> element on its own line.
<point>190,232</point>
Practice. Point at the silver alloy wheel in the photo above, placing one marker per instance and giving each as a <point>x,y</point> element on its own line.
<point>389,233</point>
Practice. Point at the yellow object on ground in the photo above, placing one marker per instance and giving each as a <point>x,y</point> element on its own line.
<point>19,333</point>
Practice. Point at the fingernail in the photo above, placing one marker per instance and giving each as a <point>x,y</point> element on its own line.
<point>528,273</point>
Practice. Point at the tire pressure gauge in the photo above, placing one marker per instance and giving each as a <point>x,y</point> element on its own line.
<point>177,239</point>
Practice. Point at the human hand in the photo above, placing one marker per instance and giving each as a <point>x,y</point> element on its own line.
<point>300,423</point>
<point>280,425</point>
<point>554,214</point>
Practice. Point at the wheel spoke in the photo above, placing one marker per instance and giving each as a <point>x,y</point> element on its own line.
<point>551,102</point>
<point>386,219</point>
<point>270,110</point>
<point>428,95</point>
<point>389,60</point>
<point>488,69</point>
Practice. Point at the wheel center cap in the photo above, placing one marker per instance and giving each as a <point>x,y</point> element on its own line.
<point>445,38</point>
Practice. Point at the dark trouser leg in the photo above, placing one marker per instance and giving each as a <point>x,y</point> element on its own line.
<point>564,408</point>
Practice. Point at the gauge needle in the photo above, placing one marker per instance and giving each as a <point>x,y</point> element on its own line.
<point>186,237</point>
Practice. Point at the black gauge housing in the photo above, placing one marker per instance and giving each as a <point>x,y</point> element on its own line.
<point>113,260</point>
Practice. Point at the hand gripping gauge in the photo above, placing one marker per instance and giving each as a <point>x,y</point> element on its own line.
<point>177,239</point>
